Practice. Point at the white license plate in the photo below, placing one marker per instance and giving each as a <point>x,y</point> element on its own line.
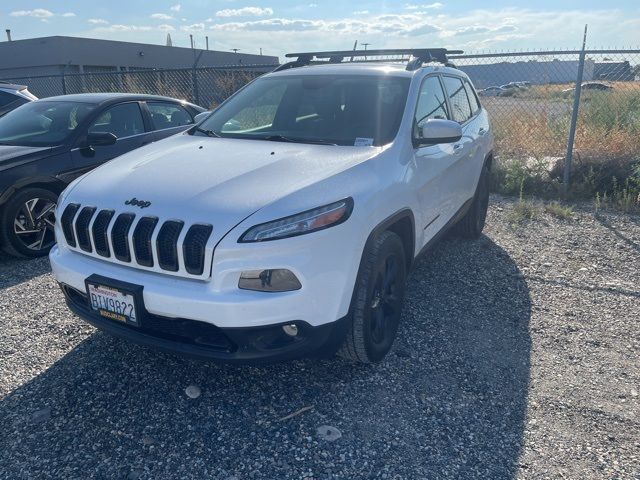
<point>112,303</point>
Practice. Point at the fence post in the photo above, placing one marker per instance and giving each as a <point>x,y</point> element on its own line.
<point>194,79</point>
<point>574,115</point>
<point>64,79</point>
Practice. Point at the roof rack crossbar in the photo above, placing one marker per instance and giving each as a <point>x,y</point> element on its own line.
<point>418,56</point>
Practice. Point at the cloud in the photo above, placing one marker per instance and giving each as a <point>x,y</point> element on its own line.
<point>430,6</point>
<point>176,8</point>
<point>69,14</point>
<point>165,27</point>
<point>313,5</point>
<point>160,16</point>
<point>361,12</point>
<point>37,13</point>
<point>245,12</point>
<point>98,21</point>
<point>196,27</point>
<point>125,28</point>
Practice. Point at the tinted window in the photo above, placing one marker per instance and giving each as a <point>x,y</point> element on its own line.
<point>168,115</point>
<point>431,103</point>
<point>6,98</point>
<point>122,120</point>
<point>339,109</point>
<point>460,109</point>
<point>42,123</point>
<point>473,100</point>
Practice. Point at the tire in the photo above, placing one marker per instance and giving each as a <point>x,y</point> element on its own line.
<point>471,225</point>
<point>375,311</point>
<point>27,222</point>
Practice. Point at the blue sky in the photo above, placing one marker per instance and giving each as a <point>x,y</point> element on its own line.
<point>278,26</point>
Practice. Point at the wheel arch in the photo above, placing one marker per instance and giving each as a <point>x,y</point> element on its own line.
<point>402,223</point>
<point>53,184</point>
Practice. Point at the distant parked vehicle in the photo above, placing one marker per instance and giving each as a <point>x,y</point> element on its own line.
<point>512,85</point>
<point>603,87</point>
<point>12,96</point>
<point>491,91</point>
<point>47,143</point>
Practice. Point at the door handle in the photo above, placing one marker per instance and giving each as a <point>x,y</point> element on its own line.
<point>457,146</point>
<point>482,132</point>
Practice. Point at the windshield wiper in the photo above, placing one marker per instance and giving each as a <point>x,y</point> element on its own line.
<point>282,138</point>
<point>208,133</point>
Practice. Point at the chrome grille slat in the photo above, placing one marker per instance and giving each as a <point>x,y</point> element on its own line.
<point>167,245</point>
<point>66,222</point>
<point>146,242</point>
<point>193,248</point>
<point>99,231</point>
<point>82,228</point>
<point>120,236</point>
<point>142,246</point>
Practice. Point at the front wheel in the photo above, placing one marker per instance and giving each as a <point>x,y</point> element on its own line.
<point>377,300</point>
<point>28,222</point>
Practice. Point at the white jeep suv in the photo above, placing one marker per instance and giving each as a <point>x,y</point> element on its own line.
<point>286,222</point>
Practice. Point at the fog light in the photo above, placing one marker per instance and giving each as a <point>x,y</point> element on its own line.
<point>291,330</point>
<point>277,280</point>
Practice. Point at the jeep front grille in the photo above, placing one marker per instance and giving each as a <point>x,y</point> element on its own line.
<point>140,241</point>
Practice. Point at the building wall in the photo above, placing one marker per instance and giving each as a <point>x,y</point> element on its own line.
<point>47,55</point>
<point>555,71</point>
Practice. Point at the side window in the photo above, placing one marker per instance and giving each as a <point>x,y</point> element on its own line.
<point>431,103</point>
<point>6,98</point>
<point>473,100</point>
<point>168,115</point>
<point>122,120</point>
<point>460,108</point>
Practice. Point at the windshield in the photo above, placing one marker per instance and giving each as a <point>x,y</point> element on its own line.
<point>336,109</point>
<point>41,123</point>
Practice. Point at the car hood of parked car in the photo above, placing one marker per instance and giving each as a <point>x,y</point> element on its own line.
<point>12,155</point>
<point>214,180</point>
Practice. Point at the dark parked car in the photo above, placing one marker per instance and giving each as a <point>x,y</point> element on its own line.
<point>12,96</point>
<point>47,143</point>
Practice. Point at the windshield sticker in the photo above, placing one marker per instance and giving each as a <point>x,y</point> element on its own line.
<point>363,142</point>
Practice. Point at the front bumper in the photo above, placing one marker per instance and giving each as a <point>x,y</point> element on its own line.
<point>251,345</point>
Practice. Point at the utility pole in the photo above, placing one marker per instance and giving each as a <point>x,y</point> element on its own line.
<point>191,37</point>
<point>235,50</point>
<point>365,46</point>
<point>207,41</point>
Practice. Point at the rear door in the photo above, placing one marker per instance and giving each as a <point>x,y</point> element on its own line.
<point>167,118</point>
<point>126,122</point>
<point>465,173</point>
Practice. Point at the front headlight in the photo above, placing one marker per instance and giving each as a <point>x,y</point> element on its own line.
<point>301,223</point>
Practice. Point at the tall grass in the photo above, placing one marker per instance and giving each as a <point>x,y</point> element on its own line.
<point>531,144</point>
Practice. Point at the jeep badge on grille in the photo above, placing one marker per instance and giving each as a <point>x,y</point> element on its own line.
<point>138,203</point>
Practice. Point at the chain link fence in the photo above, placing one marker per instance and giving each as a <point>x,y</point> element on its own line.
<point>529,96</point>
<point>204,86</point>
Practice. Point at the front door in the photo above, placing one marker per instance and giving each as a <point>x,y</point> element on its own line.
<point>434,166</point>
<point>125,121</point>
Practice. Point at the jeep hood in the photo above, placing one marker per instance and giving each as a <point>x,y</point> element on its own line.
<point>214,180</point>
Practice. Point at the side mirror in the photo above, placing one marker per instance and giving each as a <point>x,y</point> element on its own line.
<point>439,131</point>
<point>100,139</point>
<point>201,116</point>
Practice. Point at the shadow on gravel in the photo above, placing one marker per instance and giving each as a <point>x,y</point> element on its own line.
<point>450,401</point>
<point>18,270</point>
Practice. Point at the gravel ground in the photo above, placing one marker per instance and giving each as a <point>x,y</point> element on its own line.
<point>517,358</point>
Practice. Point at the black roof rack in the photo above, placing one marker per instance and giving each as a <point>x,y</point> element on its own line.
<point>418,56</point>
